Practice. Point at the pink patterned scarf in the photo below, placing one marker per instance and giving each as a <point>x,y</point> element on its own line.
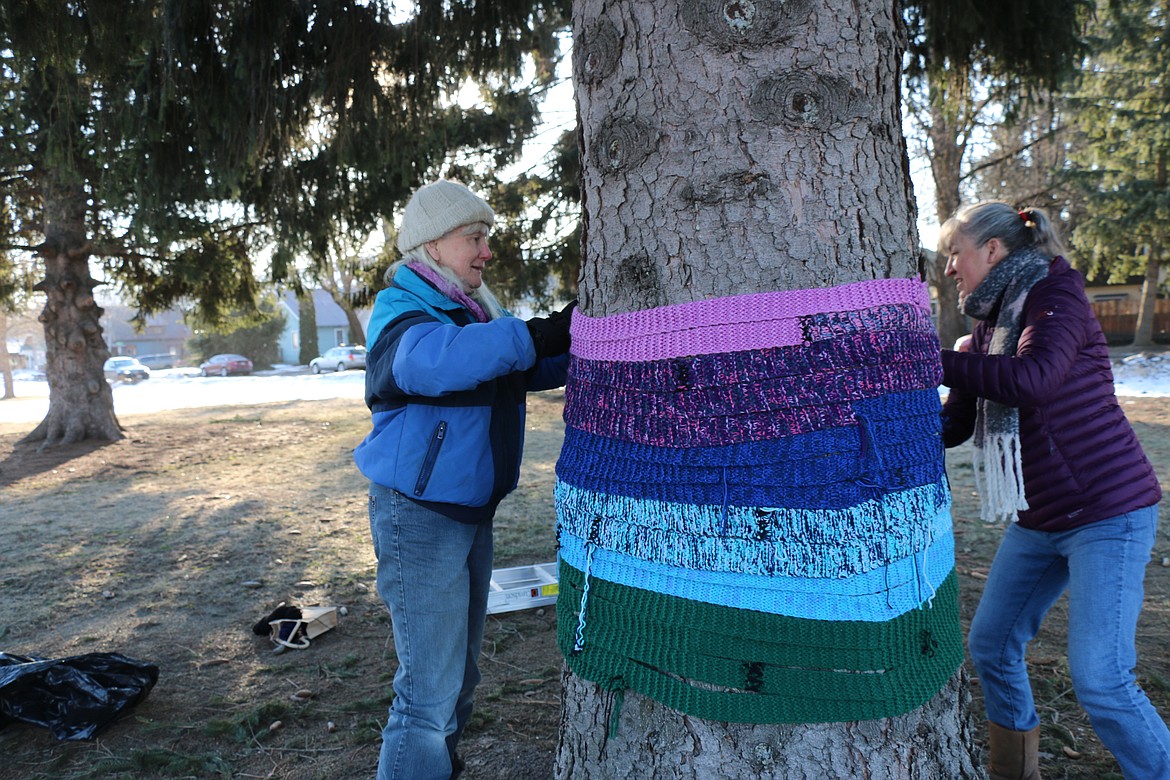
<point>444,285</point>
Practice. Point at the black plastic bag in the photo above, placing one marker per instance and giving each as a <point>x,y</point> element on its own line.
<point>74,697</point>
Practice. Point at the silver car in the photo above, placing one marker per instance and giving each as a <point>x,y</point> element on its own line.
<point>339,359</point>
<point>123,368</point>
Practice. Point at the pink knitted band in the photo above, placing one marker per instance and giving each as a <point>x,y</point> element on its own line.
<point>732,324</point>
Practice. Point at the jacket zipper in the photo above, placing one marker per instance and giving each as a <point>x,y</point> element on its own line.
<point>428,465</point>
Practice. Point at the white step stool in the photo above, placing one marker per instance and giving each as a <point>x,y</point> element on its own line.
<point>523,587</point>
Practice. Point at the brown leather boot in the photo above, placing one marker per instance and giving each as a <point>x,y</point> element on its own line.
<point>1013,755</point>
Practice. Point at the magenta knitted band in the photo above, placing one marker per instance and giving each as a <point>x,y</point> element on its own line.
<point>738,323</point>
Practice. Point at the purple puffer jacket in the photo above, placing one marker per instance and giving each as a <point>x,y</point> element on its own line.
<point>1082,460</point>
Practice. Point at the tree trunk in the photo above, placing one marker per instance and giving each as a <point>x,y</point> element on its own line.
<point>339,284</point>
<point>732,148</point>
<point>725,158</point>
<point>81,404</point>
<point>357,334</point>
<point>948,101</point>
<point>1144,328</point>
<point>651,741</point>
<point>5,361</point>
<point>307,309</point>
<point>1143,334</point>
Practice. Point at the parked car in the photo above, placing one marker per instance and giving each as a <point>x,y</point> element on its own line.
<point>162,360</point>
<point>339,359</point>
<point>222,365</point>
<point>125,369</point>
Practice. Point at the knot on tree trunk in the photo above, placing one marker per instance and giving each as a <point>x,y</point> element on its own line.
<point>736,24</point>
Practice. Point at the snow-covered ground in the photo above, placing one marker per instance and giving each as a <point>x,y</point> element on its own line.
<point>1144,374</point>
<point>183,388</point>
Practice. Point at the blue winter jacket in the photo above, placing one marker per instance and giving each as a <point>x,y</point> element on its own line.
<point>447,396</point>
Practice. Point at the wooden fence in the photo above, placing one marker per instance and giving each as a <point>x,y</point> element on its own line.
<point>1119,318</point>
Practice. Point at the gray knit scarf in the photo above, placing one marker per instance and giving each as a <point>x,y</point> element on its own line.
<point>999,298</point>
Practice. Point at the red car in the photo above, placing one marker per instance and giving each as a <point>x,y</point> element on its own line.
<point>222,365</point>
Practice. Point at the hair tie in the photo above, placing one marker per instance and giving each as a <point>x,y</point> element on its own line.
<point>1024,216</point>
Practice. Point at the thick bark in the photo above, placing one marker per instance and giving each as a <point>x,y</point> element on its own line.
<point>730,148</point>
<point>738,147</point>
<point>81,405</point>
<point>1143,335</point>
<point>648,741</point>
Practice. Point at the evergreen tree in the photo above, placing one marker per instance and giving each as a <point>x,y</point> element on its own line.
<point>1122,106</point>
<point>539,245</point>
<point>172,139</point>
<point>973,66</point>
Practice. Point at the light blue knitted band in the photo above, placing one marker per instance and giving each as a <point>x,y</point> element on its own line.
<point>757,540</point>
<point>877,595</point>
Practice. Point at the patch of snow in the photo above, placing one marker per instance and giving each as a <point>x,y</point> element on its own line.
<point>1143,374</point>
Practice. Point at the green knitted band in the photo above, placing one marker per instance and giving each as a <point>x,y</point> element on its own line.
<point>776,669</point>
<point>704,628</point>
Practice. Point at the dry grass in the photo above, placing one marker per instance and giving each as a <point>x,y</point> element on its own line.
<point>145,547</point>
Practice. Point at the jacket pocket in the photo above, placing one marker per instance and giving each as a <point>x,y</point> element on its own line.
<point>424,474</point>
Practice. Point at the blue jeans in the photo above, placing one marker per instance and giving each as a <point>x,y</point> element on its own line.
<point>1102,565</point>
<point>434,575</point>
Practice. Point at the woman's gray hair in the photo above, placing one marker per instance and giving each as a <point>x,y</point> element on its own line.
<point>481,295</point>
<point>1015,228</point>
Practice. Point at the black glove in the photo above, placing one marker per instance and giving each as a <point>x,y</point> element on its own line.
<point>550,335</point>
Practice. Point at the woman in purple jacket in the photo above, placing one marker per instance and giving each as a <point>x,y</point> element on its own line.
<point>1053,451</point>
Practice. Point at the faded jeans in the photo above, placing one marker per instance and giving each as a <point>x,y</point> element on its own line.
<point>1103,565</point>
<point>434,575</point>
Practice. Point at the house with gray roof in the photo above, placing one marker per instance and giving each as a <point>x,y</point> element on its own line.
<point>332,325</point>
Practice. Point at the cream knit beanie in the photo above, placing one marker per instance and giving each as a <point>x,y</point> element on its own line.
<point>436,209</point>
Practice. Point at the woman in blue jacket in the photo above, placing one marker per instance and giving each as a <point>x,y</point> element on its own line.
<point>446,375</point>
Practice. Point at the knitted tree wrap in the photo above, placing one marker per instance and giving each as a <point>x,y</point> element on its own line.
<point>772,669</point>
<point>735,324</point>
<point>753,519</point>
<point>760,540</point>
<point>874,596</point>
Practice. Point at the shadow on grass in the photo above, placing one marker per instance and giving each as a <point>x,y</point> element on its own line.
<point>26,460</point>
